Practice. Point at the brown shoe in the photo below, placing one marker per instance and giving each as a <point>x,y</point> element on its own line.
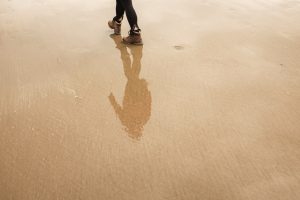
<point>134,38</point>
<point>116,26</point>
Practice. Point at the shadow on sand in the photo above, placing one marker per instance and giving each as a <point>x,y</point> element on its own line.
<point>135,111</point>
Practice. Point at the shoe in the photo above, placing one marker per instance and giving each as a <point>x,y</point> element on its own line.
<point>116,26</point>
<point>134,38</point>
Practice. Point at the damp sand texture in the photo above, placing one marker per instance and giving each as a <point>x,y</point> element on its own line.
<point>207,109</point>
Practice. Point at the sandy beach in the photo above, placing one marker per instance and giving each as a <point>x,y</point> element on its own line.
<point>207,109</point>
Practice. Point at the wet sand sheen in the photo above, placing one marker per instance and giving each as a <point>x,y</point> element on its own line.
<point>208,108</point>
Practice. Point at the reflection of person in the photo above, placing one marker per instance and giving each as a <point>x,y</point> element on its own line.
<point>135,32</point>
<point>136,109</point>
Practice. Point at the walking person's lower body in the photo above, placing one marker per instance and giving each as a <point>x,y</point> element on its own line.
<point>125,6</point>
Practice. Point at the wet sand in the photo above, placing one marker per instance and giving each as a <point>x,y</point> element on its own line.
<point>208,108</point>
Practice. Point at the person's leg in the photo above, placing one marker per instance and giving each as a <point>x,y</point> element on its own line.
<point>116,22</point>
<point>130,14</point>
<point>135,32</point>
<point>119,11</point>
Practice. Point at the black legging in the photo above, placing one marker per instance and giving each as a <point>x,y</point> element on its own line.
<point>126,6</point>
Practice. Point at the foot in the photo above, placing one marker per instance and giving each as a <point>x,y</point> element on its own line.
<point>134,38</point>
<point>116,26</point>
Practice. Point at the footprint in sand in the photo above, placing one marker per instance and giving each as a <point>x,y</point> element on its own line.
<point>178,47</point>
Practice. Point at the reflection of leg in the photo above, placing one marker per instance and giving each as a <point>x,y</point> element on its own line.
<point>136,52</point>
<point>125,56</point>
